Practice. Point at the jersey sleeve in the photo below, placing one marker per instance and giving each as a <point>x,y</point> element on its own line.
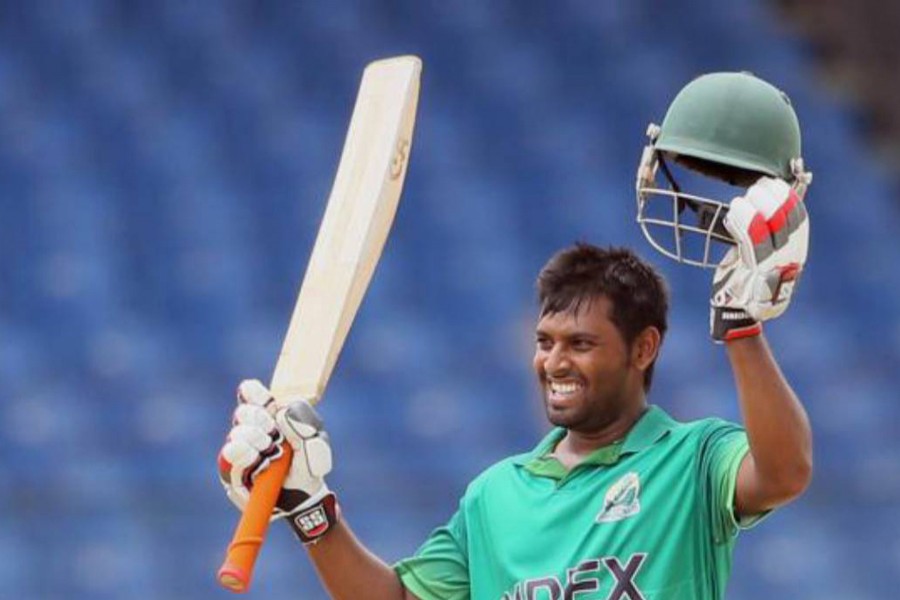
<point>439,570</point>
<point>722,449</point>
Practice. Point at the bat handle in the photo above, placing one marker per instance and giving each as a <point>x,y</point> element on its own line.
<point>237,570</point>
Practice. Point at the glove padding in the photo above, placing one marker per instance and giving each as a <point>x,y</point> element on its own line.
<point>255,440</point>
<point>756,279</point>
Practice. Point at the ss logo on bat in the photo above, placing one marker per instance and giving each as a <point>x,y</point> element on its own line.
<point>400,157</point>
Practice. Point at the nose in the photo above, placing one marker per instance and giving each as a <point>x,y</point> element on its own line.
<point>557,361</point>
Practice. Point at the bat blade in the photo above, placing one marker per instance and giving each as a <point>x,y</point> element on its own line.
<point>354,229</point>
<point>353,232</point>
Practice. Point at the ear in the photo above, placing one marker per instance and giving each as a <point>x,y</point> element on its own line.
<point>645,348</point>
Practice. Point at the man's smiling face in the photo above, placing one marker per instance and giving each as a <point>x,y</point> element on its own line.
<point>584,367</point>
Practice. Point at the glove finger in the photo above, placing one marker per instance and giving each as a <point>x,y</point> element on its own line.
<point>237,455</point>
<point>237,462</point>
<point>258,439</point>
<point>767,195</point>
<point>796,219</point>
<point>781,206</point>
<point>795,227</point>
<point>254,416</point>
<point>750,231</point>
<point>252,391</point>
<point>786,216</point>
<point>245,459</point>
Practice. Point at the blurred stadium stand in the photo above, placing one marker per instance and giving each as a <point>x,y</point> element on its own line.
<point>164,166</point>
<point>855,42</point>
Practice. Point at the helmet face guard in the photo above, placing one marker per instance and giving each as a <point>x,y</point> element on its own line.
<point>685,227</point>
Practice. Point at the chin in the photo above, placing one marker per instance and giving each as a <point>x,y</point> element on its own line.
<point>580,417</point>
<point>560,418</point>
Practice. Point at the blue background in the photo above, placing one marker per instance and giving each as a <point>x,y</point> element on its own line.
<point>163,169</point>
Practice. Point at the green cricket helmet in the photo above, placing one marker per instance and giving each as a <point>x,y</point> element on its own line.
<point>733,127</point>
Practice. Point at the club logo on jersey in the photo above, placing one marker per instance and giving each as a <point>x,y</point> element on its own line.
<point>622,499</point>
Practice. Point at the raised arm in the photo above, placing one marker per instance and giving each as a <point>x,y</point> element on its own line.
<point>778,467</point>
<point>755,283</point>
<point>347,569</point>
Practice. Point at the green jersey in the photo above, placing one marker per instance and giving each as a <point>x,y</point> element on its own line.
<point>650,517</point>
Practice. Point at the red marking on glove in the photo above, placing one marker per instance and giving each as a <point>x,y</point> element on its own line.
<point>224,469</point>
<point>224,465</point>
<point>780,218</point>
<point>792,201</point>
<point>789,272</point>
<point>759,229</point>
<point>787,275</point>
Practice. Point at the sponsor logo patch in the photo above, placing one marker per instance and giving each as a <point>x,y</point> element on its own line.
<point>313,522</point>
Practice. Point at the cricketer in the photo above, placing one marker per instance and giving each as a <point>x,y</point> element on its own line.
<point>619,501</point>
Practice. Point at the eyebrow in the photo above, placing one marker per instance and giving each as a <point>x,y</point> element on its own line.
<point>539,332</point>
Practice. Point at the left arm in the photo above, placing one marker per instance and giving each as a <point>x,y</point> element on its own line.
<point>752,284</point>
<point>778,467</point>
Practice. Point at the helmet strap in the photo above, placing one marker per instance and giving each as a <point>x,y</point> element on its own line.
<point>708,217</point>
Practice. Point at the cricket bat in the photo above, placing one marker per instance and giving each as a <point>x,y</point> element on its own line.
<point>353,232</point>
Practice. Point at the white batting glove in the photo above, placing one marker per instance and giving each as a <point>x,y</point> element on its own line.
<point>756,279</point>
<point>255,441</point>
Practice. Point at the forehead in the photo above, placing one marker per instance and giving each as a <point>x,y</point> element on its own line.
<point>590,315</point>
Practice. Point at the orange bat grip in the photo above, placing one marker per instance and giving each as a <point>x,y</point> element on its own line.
<point>237,570</point>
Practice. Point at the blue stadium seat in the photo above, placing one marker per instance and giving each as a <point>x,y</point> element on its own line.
<point>164,167</point>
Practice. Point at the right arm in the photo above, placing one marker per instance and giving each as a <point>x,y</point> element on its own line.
<point>347,569</point>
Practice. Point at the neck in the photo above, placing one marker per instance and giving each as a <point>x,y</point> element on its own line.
<point>576,445</point>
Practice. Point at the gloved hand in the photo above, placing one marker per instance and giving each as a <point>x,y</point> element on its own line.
<point>755,280</point>
<point>255,441</point>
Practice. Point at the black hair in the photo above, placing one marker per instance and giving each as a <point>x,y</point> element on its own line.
<point>637,292</point>
<point>735,176</point>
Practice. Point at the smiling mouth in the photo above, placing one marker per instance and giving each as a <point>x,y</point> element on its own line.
<point>561,391</point>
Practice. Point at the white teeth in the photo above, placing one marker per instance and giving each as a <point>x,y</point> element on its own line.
<point>558,387</point>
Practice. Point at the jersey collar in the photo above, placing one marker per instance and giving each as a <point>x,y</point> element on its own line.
<point>650,428</point>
